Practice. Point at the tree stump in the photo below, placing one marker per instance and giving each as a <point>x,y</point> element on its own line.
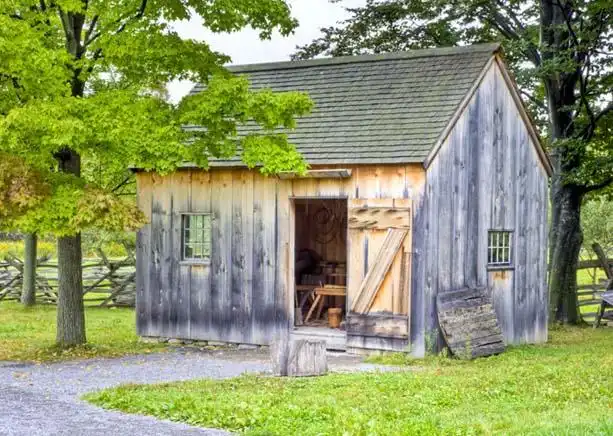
<point>299,357</point>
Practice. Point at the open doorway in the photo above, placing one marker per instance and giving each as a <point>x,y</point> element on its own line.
<point>320,264</point>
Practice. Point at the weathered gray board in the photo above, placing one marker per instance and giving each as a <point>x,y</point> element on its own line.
<point>469,323</point>
<point>486,176</point>
<point>243,294</point>
<point>298,357</point>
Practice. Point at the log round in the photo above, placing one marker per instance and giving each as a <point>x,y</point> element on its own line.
<point>299,357</point>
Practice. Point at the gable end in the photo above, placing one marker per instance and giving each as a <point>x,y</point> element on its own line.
<point>513,90</point>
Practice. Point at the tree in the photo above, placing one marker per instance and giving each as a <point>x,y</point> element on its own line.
<point>561,52</point>
<point>80,95</point>
<point>28,289</point>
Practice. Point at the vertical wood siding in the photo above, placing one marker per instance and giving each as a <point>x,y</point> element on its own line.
<point>487,175</point>
<point>244,293</point>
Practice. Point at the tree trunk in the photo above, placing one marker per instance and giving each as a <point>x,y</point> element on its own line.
<point>70,310</point>
<point>566,238</point>
<point>28,289</point>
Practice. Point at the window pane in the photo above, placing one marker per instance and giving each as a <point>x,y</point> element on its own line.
<point>499,247</point>
<point>196,236</point>
<point>188,253</point>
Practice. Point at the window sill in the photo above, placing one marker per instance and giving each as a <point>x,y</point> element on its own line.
<point>194,262</point>
<point>500,267</point>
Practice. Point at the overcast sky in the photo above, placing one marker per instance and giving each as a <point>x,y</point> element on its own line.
<point>245,47</point>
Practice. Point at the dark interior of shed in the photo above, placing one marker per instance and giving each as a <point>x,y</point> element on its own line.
<point>320,262</point>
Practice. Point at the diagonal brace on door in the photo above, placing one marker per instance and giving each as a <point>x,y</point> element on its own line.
<point>380,267</point>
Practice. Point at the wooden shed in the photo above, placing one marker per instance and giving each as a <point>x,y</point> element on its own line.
<point>426,176</point>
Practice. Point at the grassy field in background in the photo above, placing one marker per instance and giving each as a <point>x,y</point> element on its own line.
<point>564,388</point>
<point>48,249</point>
<point>29,334</point>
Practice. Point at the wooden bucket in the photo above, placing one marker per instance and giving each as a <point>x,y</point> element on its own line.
<point>335,316</point>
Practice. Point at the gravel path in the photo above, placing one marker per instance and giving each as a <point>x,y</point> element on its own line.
<point>44,399</point>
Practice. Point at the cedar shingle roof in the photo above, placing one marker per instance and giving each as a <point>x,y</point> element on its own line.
<point>375,108</point>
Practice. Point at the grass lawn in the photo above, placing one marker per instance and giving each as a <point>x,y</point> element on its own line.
<point>564,387</point>
<point>29,334</point>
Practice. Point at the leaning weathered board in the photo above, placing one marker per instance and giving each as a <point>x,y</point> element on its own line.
<point>469,323</point>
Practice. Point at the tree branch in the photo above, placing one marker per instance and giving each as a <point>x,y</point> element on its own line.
<point>534,100</point>
<point>139,14</point>
<point>597,186</point>
<point>90,31</point>
<point>15,82</point>
<point>604,111</point>
<point>128,180</point>
<point>588,131</point>
<point>518,24</point>
<point>98,53</point>
<point>566,13</point>
<point>502,24</point>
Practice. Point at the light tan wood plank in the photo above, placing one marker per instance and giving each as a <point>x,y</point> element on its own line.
<point>356,264</point>
<point>376,274</point>
<point>379,218</point>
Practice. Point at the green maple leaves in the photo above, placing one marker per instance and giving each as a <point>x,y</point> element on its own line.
<point>88,77</point>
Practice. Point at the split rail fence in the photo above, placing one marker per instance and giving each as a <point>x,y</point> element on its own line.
<point>106,282</point>
<point>594,279</point>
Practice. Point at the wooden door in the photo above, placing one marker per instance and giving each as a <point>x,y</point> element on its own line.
<point>378,294</point>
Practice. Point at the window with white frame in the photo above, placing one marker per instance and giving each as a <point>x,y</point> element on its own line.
<point>499,251</point>
<point>196,240</point>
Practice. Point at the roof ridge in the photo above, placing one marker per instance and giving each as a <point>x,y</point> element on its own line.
<point>412,54</point>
